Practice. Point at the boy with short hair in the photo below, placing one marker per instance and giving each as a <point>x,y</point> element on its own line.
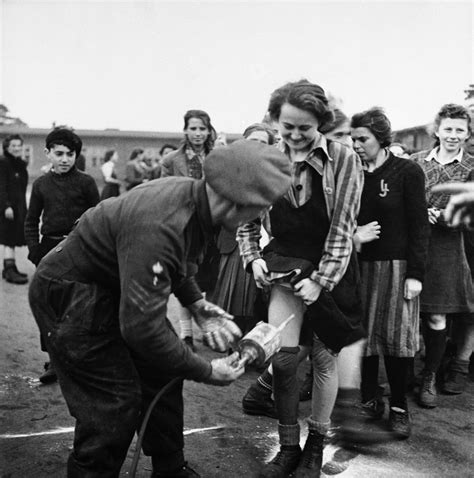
<point>58,199</point>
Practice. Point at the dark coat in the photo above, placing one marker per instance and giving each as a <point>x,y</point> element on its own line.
<point>175,164</point>
<point>13,183</point>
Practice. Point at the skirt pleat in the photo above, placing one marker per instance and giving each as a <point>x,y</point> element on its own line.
<point>391,321</point>
<point>235,290</point>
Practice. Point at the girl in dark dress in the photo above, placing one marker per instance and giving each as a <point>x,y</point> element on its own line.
<point>235,289</point>
<point>13,183</point>
<point>393,209</point>
<point>199,139</point>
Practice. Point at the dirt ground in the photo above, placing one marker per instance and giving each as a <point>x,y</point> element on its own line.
<point>36,431</point>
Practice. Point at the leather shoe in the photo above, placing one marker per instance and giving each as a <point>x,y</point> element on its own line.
<point>259,403</point>
<point>49,375</point>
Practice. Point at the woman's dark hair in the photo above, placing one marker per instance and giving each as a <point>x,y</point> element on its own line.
<point>136,152</point>
<point>303,95</point>
<point>454,111</point>
<point>377,122</point>
<point>9,139</point>
<point>205,118</point>
<point>167,146</point>
<point>260,127</point>
<point>339,119</point>
<point>108,155</point>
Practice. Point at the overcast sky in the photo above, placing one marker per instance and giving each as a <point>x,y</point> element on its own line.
<point>139,65</point>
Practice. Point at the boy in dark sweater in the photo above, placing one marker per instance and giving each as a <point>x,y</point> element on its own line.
<point>58,199</point>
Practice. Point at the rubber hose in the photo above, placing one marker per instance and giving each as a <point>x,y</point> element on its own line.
<point>136,455</point>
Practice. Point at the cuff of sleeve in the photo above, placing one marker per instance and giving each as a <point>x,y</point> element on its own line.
<point>201,370</point>
<point>188,292</point>
<point>324,283</point>
<point>415,275</point>
<point>249,258</point>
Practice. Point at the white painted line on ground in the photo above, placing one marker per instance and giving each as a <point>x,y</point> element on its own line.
<point>37,434</point>
<point>199,430</point>
<point>71,430</point>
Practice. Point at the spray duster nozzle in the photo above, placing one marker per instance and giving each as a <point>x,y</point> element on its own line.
<point>261,343</point>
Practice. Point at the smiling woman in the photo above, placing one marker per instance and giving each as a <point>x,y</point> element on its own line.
<point>199,139</point>
<point>310,268</point>
<point>448,287</point>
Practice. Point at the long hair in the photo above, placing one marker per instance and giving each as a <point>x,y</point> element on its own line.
<point>205,118</point>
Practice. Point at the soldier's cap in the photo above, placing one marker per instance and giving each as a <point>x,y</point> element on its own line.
<point>248,173</point>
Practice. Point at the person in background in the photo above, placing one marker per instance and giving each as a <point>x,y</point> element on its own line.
<point>81,163</point>
<point>235,289</point>
<point>58,199</point>
<point>13,184</point>
<point>166,149</point>
<point>187,161</point>
<point>393,206</point>
<point>100,299</point>
<point>399,150</point>
<point>135,173</point>
<point>448,287</point>
<point>221,140</point>
<point>339,129</point>
<point>311,268</point>
<point>112,184</point>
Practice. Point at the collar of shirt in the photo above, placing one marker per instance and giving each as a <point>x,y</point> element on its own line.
<point>434,156</point>
<point>202,209</point>
<point>315,157</point>
<point>191,154</point>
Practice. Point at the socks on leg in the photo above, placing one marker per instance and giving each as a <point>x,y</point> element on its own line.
<point>397,373</point>
<point>369,382</point>
<point>435,343</point>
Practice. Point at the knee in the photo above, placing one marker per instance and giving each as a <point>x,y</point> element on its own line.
<point>436,321</point>
<point>324,362</point>
<point>285,361</point>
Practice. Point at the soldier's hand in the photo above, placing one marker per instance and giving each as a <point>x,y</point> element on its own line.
<point>219,330</point>
<point>225,370</point>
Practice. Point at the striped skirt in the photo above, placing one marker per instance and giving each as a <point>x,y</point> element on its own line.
<point>391,322</point>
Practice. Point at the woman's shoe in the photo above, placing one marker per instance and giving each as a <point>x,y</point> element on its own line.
<point>10,273</point>
<point>312,457</point>
<point>284,463</point>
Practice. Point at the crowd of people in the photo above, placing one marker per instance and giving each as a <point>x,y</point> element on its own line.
<point>312,214</point>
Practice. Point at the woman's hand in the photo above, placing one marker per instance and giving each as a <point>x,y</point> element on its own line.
<point>260,271</point>
<point>412,288</point>
<point>308,290</point>
<point>433,214</point>
<point>368,232</point>
<point>9,214</point>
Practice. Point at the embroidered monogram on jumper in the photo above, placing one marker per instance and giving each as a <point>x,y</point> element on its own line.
<point>383,189</point>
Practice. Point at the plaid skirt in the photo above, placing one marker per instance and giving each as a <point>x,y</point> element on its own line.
<point>391,321</point>
<point>447,288</point>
